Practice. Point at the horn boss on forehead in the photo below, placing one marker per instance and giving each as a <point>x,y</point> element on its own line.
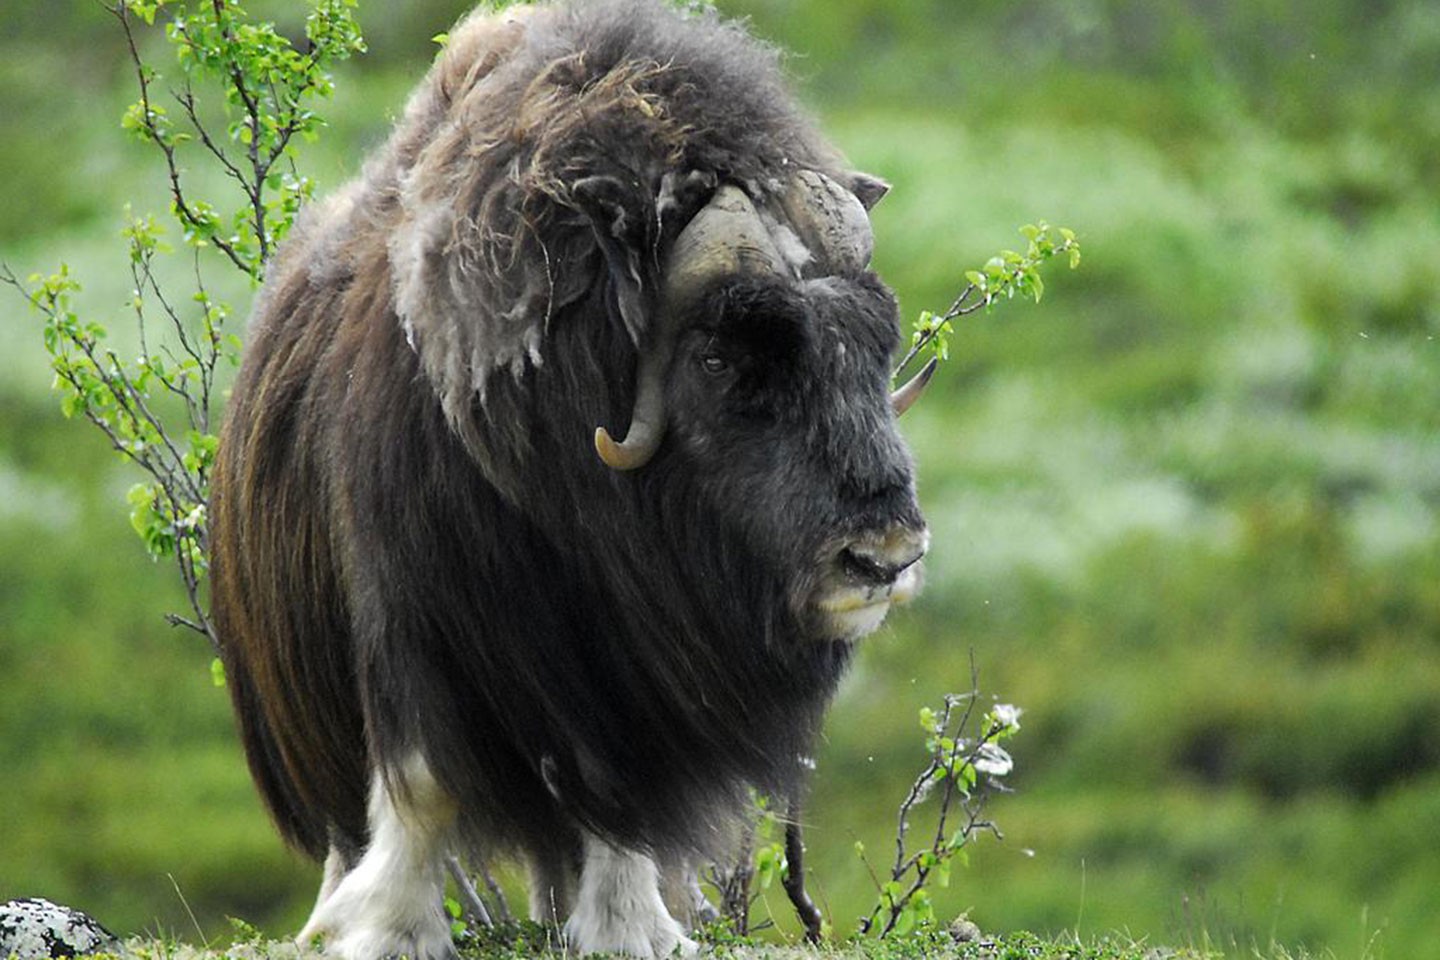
<point>446,628</point>
<point>830,221</point>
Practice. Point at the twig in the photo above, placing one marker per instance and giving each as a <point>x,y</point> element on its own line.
<point>794,877</point>
<point>497,896</point>
<point>1002,276</point>
<point>952,758</point>
<point>177,193</point>
<point>468,895</point>
<point>957,309</point>
<point>734,882</point>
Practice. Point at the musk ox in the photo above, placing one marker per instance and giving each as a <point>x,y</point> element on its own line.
<point>456,612</point>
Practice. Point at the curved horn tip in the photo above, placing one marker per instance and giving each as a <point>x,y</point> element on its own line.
<point>904,398</point>
<point>621,455</point>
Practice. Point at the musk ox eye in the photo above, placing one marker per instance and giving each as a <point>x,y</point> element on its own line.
<point>714,364</point>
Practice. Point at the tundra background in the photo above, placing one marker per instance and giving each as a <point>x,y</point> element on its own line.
<point>1185,512</point>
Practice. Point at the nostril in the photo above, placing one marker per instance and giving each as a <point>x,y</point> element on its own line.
<point>881,562</point>
<point>880,559</point>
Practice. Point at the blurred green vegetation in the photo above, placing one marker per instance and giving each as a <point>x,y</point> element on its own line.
<point>1185,512</point>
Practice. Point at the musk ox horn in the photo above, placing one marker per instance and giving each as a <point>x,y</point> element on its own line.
<point>830,221</point>
<point>726,238</point>
<point>647,420</point>
<point>869,189</point>
<point>904,397</point>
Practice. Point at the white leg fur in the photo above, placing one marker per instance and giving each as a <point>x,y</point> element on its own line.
<point>390,905</point>
<point>334,873</point>
<point>619,908</point>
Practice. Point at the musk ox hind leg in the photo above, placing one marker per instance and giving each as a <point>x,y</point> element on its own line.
<point>391,903</point>
<point>619,909</point>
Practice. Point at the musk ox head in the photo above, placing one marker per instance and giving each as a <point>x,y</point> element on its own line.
<point>768,343</point>
<point>685,200</point>
<point>562,474</point>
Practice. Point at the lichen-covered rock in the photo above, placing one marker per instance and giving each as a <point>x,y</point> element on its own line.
<point>36,929</point>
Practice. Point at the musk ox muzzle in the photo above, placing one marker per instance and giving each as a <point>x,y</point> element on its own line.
<point>867,575</point>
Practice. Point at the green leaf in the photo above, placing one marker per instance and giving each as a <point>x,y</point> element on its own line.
<point>769,861</point>
<point>928,720</point>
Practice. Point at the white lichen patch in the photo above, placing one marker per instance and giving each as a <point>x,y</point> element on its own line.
<point>32,929</point>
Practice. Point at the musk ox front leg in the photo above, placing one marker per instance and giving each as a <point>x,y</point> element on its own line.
<point>619,908</point>
<point>391,903</point>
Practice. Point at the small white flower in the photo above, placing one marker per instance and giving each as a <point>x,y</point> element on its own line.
<point>991,759</point>
<point>1007,715</point>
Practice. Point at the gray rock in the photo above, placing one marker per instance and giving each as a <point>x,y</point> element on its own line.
<point>36,929</point>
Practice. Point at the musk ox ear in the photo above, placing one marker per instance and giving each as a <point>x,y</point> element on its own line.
<point>682,195</point>
<point>870,190</point>
<point>632,229</point>
<point>623,228</point>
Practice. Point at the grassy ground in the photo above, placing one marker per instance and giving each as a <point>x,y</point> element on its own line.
<point>1184,511</point>
<point>533,943</point>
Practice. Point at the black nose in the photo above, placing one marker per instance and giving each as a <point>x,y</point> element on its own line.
<point>880,559</point>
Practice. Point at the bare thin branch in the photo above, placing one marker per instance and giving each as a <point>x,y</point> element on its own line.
<point>469,896</point>
<point>794,878</point>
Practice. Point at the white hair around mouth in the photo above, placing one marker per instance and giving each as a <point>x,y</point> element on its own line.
<point>851,611</point>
